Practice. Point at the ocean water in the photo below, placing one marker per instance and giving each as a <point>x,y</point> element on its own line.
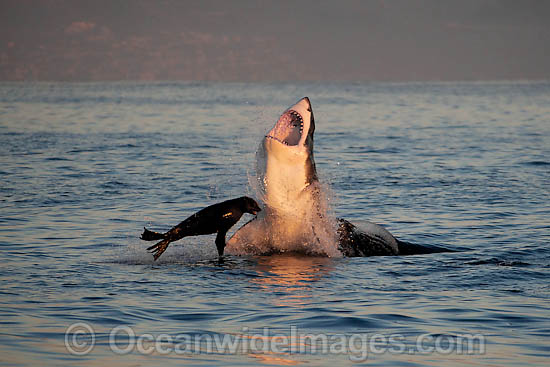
<point>84,167</point>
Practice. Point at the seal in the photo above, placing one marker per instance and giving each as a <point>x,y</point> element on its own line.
<point>217,218</point>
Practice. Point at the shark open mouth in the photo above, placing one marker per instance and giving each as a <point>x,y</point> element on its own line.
<point>289,128</point>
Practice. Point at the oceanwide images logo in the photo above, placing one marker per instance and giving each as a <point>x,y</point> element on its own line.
<point>80,340</point>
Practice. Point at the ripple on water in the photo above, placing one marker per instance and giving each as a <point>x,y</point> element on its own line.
<point>437,163</point>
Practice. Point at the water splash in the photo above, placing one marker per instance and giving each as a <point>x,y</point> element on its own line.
<point>302,223</point>
<point>188,250</point>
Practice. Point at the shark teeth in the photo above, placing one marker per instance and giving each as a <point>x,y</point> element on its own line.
<point>298,117</point>
<point>279,140</point>
<point>286,125</point>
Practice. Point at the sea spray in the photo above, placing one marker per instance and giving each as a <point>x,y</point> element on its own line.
<point>303,223</point>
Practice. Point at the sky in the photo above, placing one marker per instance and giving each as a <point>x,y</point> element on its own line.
<point>254,41</point>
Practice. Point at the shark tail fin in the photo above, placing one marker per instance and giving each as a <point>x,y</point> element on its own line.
<point>408,248</point>
<point>148,235</point>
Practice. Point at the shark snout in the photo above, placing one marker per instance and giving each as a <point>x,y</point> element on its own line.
<point>306,103</point>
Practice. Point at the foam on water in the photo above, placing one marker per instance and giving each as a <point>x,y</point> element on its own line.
<point>184,251</point>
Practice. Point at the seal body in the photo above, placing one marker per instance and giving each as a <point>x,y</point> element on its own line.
<point>217,218</point>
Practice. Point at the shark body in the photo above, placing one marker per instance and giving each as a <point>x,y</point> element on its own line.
<point>296,214</point>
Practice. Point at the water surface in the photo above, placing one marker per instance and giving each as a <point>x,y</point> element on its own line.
<point>85,166</point>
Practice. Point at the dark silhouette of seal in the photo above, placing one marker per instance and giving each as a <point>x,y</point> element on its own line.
<point>217,218</point>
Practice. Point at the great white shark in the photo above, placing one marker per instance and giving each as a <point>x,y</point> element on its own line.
<point>296,215</point>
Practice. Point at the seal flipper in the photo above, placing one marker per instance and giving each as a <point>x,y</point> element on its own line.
<point>148,235</point>
<point>159,248</point>
<point>220,241</point>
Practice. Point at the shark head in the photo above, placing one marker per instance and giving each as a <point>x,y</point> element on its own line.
<point>285,158</point>
<point>294,129</point>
